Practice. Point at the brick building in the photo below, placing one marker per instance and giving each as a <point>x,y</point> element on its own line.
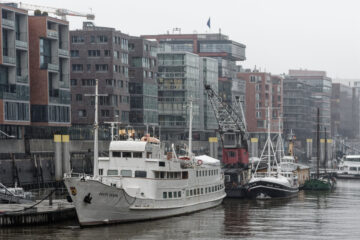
<point>99,53</point>
<point>263,91</point>
<point>49,71</point>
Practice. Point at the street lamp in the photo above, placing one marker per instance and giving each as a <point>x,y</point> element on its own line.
<point>7,135</point>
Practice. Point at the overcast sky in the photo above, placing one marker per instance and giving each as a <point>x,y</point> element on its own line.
<point>278,34</point>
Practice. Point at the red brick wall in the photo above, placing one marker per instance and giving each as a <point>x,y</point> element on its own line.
<point>39,79</point>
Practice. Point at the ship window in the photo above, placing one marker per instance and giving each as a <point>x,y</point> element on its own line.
<point>184,175</point>
<point>164,194</point>
<point>162,174</point>
<point>206,190</point>
<point>127,154</point>
<point>191,192</point>
<point>116,154</point>
<point>175,194</point>
<point>212,189</point>
<point>171,174</point>
<point>112,172</point>
<point>198,191</point>
<point>126,173</point>
<point>170,194</point>
<point>353,168</point>
<point>197,173</point>
<point>157,175</point>
<point>187,193</point>
<point>161,164</point>
<point>179,194</point>
<point>148,155</point>
<point>202,191</point>
<point>140,174</point>
<point>101,171</point>
<point>137,154</point>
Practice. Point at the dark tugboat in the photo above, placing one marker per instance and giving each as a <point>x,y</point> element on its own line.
<point>272,183</point>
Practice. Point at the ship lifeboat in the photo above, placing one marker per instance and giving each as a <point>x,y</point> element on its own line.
<point>147,138</point>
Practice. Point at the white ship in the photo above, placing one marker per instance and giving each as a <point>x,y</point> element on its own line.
<point>349,167</point>
<point>137,182</point>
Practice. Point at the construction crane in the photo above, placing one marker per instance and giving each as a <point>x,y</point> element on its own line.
<point>61,12</point>
<point>232,130</point>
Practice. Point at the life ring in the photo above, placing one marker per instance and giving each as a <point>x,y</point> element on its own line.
<point>199,162</point>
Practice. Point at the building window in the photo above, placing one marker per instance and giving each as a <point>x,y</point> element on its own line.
<point>257,97</point>
<point>107,53</point>
<point>88,82</point>
<point>74,53</point>
<point>258,114</point>
<point>82,113</point>
<point>73,82</point>
<point>77,39</point>
<point>78,97</point>
<point>77,67</point>
<point>101,67</point>
<point>94,53</point>
<point>105,113</point>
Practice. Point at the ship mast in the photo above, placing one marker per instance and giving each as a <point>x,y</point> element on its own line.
<point>190,129</point>
<point>96,130</point>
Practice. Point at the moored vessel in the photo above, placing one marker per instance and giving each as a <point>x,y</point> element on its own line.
<point>349,167</point>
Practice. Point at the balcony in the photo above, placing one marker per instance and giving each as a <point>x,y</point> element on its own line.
<point>53,67</point>
<point>8,23</point>
<point>64,53</point>
<point>21,44</point>
<point>9,60</point>
<point>52,34</point>
<point>22,79</point>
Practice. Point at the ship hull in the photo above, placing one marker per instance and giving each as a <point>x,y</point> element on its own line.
<point>109,204</point>
<point>270,189</point>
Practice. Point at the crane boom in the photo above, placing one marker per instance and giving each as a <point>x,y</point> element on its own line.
<point>61,12</point>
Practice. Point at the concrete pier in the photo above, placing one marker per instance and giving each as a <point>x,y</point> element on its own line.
<point>44,213</point>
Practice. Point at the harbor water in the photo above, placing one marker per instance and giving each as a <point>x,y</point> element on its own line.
<point>326,215</point>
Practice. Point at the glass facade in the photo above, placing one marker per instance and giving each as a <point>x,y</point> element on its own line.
<point>178,82</point>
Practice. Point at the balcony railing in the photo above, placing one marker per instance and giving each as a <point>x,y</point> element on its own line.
<point>21,44</point>
<point>53,67</point>
<point>9,60</point>
<point>63,52</point>
<point>52,34</point>
<point>22,79</point>
<point>8,22</point>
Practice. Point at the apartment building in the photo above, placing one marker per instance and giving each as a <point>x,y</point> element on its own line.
<point>99,53</point>
<point>143,84</point>
<point>263,92</point>
<point>49,72</point>
<point>213,45</point>
<point>14,71</point>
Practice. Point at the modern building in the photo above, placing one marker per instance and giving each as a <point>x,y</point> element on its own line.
<point>181,79</point>
<point>99,53</point>
<point>14,71</point>
<point>321,97</point>
<point>143,84</point>
<point>49,72</point>
<point>263,93</point>
<point>299,110</point>
<point>214,45</point>
<point>344,111</point>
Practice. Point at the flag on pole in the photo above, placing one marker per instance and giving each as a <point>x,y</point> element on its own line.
<point>208,23</point>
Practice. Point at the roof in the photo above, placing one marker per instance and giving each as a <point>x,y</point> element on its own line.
<point>135,146</point>
<point>208,160</point>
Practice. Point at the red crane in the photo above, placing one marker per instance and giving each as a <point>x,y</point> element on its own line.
<point>232,130</point>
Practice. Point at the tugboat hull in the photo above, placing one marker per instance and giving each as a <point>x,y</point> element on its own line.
<point>270,190</point>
